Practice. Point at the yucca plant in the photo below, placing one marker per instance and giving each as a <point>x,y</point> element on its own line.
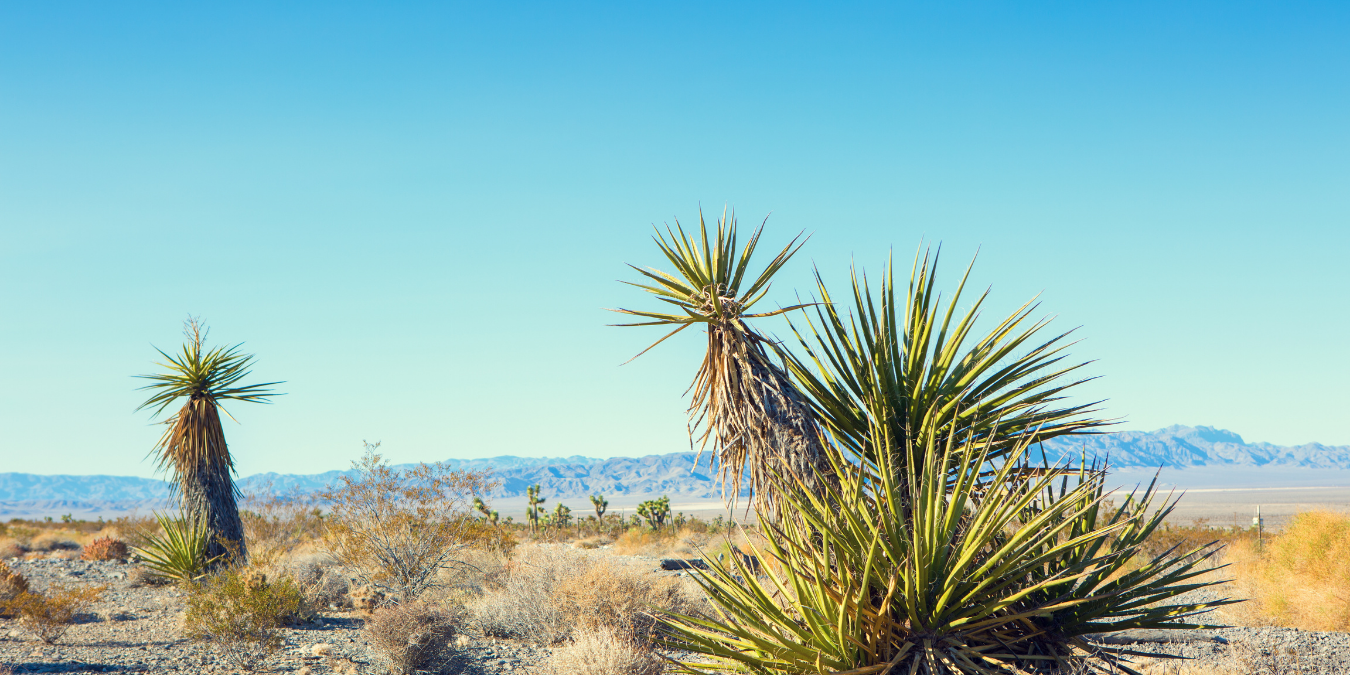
<point>180,553</point>
<point>934,545</point>
<point>193,448</point>
<point>905,362</point>
<point>962,569</point>
<point>743,402</point>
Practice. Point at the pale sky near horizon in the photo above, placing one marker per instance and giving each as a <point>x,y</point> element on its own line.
<point>415,213</point>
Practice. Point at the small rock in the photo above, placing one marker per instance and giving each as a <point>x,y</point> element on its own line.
<point>322,649</point>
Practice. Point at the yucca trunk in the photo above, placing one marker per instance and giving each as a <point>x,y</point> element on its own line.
<point>758,418</point>
<point>206,490</point>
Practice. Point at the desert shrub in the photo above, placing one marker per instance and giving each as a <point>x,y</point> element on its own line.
<point>12,548</point>
<point>547,592</point>
<point>179,553</point>
<point>12,585</point>
<point>322,584</point>
<point>276,524</point>
<point>49,615</point>
<point>1302,577</point>
<point>106,548</point>
<point>601,651</point>
<point>666,542</point>
<point>411,637</point>
<point>134,528</point>
<point>139,576</point>
<point>239,611</point>
<point>397,529</point>
<point>53,541</point>
<point>1179,538</point>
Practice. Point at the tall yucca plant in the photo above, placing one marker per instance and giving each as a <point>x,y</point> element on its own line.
<point>912,365</point>
<point>192,449</point>
<point>943,567</point>
<point>743,402</point>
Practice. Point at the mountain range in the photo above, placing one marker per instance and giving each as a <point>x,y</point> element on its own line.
<point>676,474</point>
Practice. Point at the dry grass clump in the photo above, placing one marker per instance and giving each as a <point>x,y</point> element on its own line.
<point>413,637</point>
<point>601,651</point>
<point>1301,577</point>
<point>278,525</point>
<point>49,615</point>
<point>547,592</point>
<point>139,576</point>
<point>38,538</point>
<point>48,542</point>
<point>11,548</point>
<point>106,548</point>
<point>669,542</point>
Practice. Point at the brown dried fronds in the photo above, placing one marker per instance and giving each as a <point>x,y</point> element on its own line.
<point>397,529</point>
<point>743,403</point>
<point>49,615</point>
<point>602,651</point>
<point>410,638</point>
<point>106,548</point>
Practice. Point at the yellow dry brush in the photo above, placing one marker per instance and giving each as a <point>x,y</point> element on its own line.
<point>948,567</point>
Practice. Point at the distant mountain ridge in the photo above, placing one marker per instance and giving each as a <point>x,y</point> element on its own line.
<point>676,475</point>
<point>1181,446</point>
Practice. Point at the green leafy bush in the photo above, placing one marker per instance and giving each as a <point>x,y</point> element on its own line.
<point>240,611</point>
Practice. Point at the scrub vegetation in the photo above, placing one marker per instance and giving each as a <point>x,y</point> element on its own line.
<point>903,520</point>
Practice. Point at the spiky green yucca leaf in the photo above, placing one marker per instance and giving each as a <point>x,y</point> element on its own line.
<point>742,401</point>
<point>972,572</point>
<point>180,553</point>
<point>903,363</point>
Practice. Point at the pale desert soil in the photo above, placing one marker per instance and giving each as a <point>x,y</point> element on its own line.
<point>138,629</point>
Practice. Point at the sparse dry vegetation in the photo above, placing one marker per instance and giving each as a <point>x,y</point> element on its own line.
<point>412,637</point>
<point>1300,577</point>
<point>602,651</point>
<point>549,591</point>
<point>106,548</point>
<point>397,529</point>
<point>238,611</point>
<point>12,585</point>
<point>48,615</point>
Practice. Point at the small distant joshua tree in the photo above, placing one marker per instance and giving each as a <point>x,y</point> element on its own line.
<point>533,512</point>
<point>481,507</point>
<point>655,512</point>
<point>193,448</point>
<point>598,501</point>
<point>562,516</point>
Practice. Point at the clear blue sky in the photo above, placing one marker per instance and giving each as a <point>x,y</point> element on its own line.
<point>415,213</point>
